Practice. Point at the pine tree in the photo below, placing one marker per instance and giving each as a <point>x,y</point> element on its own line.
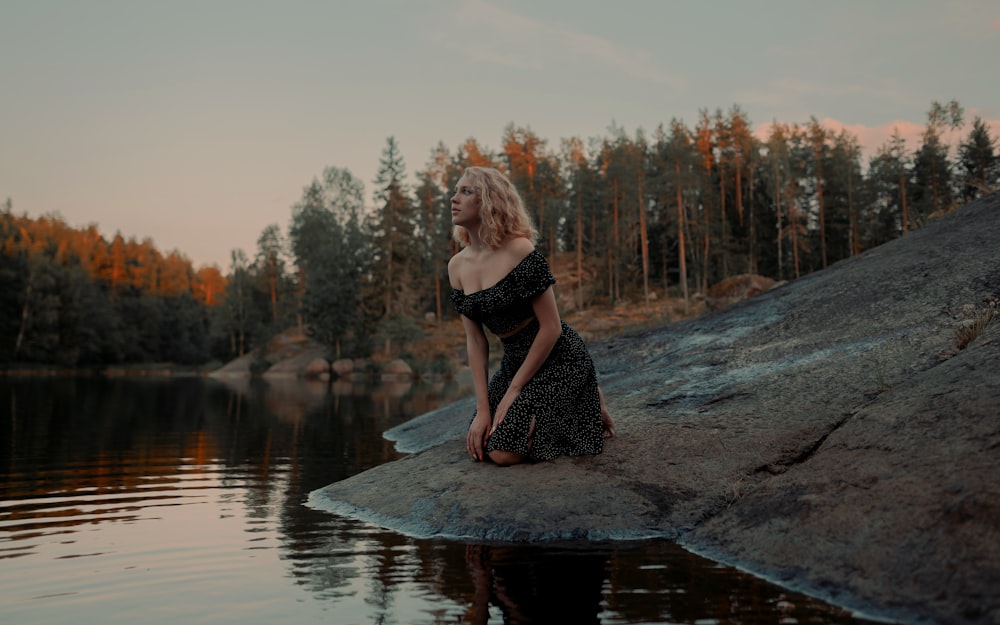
<point>393,226</point>
<point>932,188</point>
<point>271,270</point>
<point>434,234</point>
<point>846,175</point>
<point>332,254</point>
<point>817,141</point>
<point>679,171</point>
<point>238,317</point>
<point>979,164</point>
<point>777,165</point>
<point>888,182</point>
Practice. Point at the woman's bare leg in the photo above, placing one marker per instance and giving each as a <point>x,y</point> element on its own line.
<point>506,458</point>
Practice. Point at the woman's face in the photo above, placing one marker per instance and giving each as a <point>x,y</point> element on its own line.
<point>465,204</point>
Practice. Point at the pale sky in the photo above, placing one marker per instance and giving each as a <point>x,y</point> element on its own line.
<point>199,123</point>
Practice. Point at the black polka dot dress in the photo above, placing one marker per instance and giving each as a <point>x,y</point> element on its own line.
<point>558,412</point>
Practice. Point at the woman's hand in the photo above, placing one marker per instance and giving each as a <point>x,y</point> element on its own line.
<point>505,403</point>
<point>479,431</point>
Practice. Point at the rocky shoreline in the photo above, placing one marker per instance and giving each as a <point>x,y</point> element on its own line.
<point>831,434</point>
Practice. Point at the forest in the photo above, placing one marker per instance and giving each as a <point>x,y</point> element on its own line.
<point>634,217</point>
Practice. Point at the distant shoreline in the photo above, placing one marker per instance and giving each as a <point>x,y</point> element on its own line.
<point>166,371</point>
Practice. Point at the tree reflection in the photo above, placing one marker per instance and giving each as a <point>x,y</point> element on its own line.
<point>107,451</point>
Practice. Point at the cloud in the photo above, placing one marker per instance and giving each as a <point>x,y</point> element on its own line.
<point>788,93</point>
<point>497,36</point>
<point>871,138</point>
<point>503,37</point>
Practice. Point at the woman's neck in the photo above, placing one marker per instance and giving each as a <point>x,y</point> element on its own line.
<point>476,245</point>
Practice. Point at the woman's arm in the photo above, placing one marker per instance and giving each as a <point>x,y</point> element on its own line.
<point>478,350</point>
<point>549,330</point>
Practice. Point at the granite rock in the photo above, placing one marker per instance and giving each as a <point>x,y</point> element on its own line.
<point>828,434</point>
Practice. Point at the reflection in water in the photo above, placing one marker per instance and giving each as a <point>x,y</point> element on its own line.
<point>166,500</point>
<point>552,586</point>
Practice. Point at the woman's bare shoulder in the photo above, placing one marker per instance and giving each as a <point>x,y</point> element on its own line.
<point>518,247</point>
<point>454,266</point>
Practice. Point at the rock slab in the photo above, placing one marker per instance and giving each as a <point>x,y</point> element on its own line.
<point>827,434</point>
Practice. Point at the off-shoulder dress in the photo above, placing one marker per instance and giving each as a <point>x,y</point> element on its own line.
<point>558,412</point>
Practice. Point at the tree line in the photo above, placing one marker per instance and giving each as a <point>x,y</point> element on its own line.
<point>70,297</point>
<point>628,217</point>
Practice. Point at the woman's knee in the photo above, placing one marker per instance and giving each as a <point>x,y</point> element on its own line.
<point>505,458</point>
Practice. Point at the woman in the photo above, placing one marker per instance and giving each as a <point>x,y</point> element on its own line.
<point>544,400</point>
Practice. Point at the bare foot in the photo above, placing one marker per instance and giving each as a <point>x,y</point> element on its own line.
<point>606,421</point>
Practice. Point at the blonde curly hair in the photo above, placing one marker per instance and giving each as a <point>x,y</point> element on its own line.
<point>501,211</point>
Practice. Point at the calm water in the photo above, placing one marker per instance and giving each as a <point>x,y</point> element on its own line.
<point>181,501</point>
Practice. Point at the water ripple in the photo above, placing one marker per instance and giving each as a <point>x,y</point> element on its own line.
<point>174,501</point>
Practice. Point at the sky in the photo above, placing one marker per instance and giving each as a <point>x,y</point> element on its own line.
<point>199,123</point>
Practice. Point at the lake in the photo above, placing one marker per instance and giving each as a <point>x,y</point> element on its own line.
<point>181,500</point>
